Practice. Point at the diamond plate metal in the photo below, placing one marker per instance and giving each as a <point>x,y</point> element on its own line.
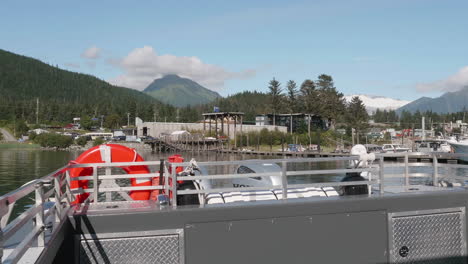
<point>428,238</point>
<point>154,249</point>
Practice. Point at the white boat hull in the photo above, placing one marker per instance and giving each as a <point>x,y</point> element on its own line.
<point>460,147</point>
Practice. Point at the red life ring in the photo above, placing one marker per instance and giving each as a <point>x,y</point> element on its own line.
<point>110,153</point>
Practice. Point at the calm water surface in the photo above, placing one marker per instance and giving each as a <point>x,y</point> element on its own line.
<point>19,166</point>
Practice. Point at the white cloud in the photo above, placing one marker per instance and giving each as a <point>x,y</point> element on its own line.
<point>91,53</point>
<point>452,83</point>
<point>142,65</point>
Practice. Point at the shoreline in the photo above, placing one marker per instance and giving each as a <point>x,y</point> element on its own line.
<point>74,147</point>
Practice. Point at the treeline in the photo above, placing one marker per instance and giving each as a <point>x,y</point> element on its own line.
<point>318,97</point>
<point>31,89</point>
<point>414,120</point>
<point>275,138</point>
<point>28,85</point>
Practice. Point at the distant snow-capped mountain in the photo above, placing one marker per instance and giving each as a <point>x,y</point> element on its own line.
<point>374,102</point>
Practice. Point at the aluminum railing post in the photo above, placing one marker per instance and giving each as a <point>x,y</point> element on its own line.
<point>109,194</point>
<point>174,185</point>
<point>435,166</point>
<point>284,180</point>
<point>39,195</point>
<point>369,186</point>
<point>4,212</point>
<point>67,188</point>
<point>406,171</point>
<point>58,202</point>
<point>166,181</point>
<point>381,175</point>
<point>95,184</point>
<point>1,244</point>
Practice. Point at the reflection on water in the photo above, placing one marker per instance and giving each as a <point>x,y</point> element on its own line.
<point>19,166</point>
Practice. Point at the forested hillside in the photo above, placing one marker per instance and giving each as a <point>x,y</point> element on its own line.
<point>63,95</point>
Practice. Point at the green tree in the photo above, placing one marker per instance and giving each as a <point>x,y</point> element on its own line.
<point>292,96</point>
<point>21,128</point>
<point>81,141</point>
<point>406,119</point>
<point>331,103</point>
<point>98,141</point>
<point>53,140</point>
<point>112,121</point>
<point>86,123</point>
<point>275,93</point>
<point>309,98</point>
<point>357,114</point>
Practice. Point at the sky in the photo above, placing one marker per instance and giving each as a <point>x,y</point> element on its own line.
<point>402,49</point>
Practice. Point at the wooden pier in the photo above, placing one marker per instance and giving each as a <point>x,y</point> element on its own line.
<point>188,144</point>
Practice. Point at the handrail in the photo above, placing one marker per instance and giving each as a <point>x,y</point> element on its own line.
<point>45,190</point>
<point>56,186</point>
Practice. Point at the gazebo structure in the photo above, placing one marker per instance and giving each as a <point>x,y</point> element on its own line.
<point>228,118</point>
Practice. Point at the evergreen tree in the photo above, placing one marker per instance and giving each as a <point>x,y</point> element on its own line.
<point>292,96</point>
<point>331,103</point>
<point>275,93</point>
<point>308,97</point>
<point>356,114</point>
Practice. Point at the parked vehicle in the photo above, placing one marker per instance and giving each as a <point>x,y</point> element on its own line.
<point>372,148</point>
<point>119,138</point>
<point>295,148</point>
<point>394,148</point>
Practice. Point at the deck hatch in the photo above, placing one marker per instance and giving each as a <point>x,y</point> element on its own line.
<point>163,248</point>
<point>431,236</point>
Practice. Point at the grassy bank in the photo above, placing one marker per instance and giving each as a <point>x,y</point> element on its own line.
<point>15,145</point>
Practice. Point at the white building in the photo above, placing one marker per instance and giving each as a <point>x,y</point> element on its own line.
<point>155,129</point>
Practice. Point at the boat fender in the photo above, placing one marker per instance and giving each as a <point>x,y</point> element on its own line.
<point>108,153</point>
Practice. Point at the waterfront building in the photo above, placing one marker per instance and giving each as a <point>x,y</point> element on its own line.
<point>294,122</point>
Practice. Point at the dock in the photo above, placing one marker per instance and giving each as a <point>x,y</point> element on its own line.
<point>188,144</point>
<point>304,154</point>
<point>396,157</point>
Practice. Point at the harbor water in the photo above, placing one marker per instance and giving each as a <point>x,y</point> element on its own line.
<point>19,166</point>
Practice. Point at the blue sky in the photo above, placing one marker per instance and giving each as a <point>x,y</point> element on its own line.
<point>401,48</point>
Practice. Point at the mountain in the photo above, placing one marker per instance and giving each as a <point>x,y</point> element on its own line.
<point>380,102</point>
<point>178,91</point>
<point>450,102</point>
<point>64,94</point>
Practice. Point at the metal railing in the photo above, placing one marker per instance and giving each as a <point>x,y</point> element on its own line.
<point>56,187</point>
<point>51,188</point>
<point>428,160</point>
<point>283,173</point>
